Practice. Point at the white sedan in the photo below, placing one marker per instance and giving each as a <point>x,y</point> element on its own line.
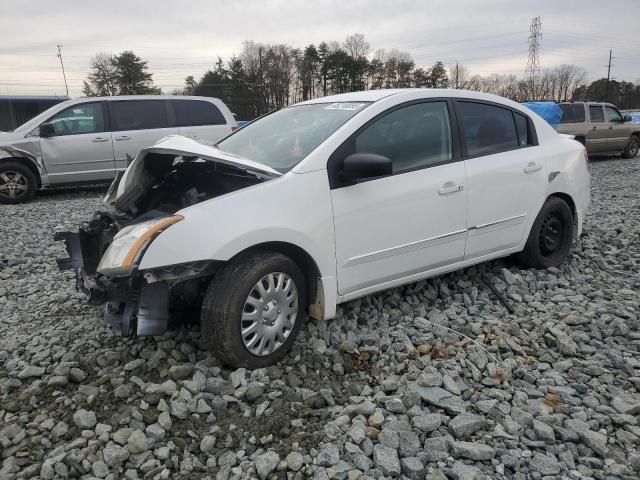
<point>323,202</point>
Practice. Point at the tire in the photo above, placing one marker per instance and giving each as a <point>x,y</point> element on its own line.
<point>551,236</point>
<point>631,150</point>
<point>17,183</point>
<point>228,299</point>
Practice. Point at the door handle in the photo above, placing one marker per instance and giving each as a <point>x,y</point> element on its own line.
<point>610,127</point>
<point>450,187</point>
<point>100,139</point>
<point>532,167</point>
<point>123,137</point>
<point>594,128</point>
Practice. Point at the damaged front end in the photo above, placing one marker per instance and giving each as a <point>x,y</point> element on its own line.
<point>106,251</point>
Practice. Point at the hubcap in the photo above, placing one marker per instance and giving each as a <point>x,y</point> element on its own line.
<point>269,313</point>
<point>634,147</point>
<point>551,234</point>
<point>12,184</point>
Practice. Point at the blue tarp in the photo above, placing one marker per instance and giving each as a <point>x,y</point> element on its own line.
<point>549,111</point>
<point>635,117</point>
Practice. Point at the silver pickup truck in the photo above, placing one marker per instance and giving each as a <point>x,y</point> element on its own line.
<point>601,128</point>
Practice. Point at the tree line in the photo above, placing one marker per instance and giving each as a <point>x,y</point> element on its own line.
<point>265,77</point>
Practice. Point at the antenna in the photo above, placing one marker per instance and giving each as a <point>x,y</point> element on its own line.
<point>62,65</point>
<point>533,63</point>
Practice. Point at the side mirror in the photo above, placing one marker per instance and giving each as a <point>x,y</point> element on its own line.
<point>47,130</point>
<point>360,166</point>
<point>627,118</point>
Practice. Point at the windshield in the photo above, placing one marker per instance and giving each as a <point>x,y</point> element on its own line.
<point>281,140</point>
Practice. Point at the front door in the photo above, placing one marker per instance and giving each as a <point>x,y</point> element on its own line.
<point>505,175</point>
<point>81,149</point>
<point>409,222</point>
<point>597,138</point>
<point>619,131</point>
<point>137,124</point>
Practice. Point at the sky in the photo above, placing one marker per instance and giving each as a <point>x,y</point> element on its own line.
<point>180,38</point>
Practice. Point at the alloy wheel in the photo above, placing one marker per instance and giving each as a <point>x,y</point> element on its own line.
<point>269,313</point>
<point>13,184</point>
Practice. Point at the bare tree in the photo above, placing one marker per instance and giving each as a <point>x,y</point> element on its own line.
<point>103,79</point>
<point>458,76</point>
<point>356,46</point>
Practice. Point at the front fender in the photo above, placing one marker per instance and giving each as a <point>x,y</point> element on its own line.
<point>27,151</point>
<point>294,209</point>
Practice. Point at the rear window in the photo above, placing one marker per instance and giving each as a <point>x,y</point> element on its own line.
<point>572,113</point>
<point>138,115</point>
<point>196,112</point>
<point>487,129</point>
<point>595,113</point>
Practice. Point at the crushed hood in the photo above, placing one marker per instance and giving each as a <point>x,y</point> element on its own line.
<point>179,145</point>
<point>130,187</point>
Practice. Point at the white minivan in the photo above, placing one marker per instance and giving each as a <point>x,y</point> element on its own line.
<point>91,139</point>
<point>323,202</point>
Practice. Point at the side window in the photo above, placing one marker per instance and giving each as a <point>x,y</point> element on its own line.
<point>196,112</point>
<point>79,119</point>
<point>522,125</point>
<point>613,115</point>
<point>572,112</point>
<point>487,129</point>
<point>138,115</point>
<point>595,113</point>
<point>412,137</point>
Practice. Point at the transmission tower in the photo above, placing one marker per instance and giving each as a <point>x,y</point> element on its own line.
<point>533,63</point>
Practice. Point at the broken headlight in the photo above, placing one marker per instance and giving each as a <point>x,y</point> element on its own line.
<point>128,243</point>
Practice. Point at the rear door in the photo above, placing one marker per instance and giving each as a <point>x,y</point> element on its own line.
<point>505,175</point>
<point>81,149</point>
<point>598,134</point>
<point>619,131</point>
<point>137,124</point>
<point>198,119</point>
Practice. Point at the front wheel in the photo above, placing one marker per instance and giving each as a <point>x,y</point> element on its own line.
<point>550,238</point>
<point>253,309</point>
<point>17,183</point>
<point>631,150</point>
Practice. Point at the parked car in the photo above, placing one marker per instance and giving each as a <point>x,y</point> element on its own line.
<point>323,202</point>
<point>90,139</point>
<point>601,128</point>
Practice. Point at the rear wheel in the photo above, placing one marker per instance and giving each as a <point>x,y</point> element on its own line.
<point>631,150</point>
<point>17,182</point>
<point>550,238</point>
<point>253,309</point>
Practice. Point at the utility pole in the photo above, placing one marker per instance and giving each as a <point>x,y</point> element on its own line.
<point>606,94</point>
<point>457,74</point>
<point>533,63</point>
<point>62,65</point>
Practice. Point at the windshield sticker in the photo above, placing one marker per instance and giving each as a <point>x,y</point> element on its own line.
<point>344,106</point>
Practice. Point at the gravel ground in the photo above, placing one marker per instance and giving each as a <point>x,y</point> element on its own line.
<point>387,389</point>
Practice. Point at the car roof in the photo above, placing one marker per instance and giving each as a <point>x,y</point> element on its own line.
<point>377,95</point>
<point>589,103</point>
<point>141,97</point>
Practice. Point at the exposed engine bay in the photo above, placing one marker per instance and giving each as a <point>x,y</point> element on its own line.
<point>158,184</point>
<point>170,183</point>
